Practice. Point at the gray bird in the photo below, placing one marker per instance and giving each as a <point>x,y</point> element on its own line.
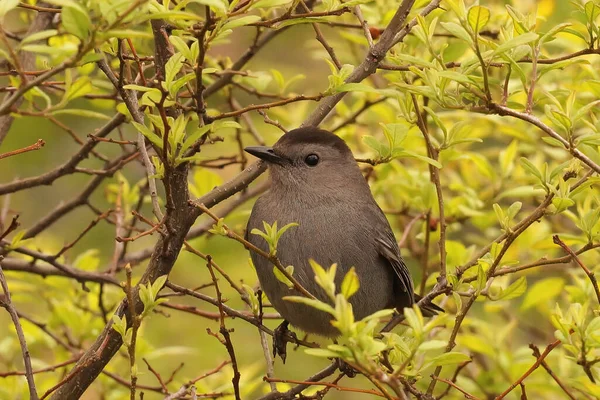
<point>316,183</point>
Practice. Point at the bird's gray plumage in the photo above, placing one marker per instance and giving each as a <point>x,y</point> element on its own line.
<point>339,222</point>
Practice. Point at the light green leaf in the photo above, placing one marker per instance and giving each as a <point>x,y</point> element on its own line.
<point>350,284</point>
<point>38,35</point>
<point>81,113</point>
<point>422,158</point>
<point>151,136</point>
<point>281,276</point>
<point>235,23</point>
<point>269,3</point>
<point>542,291</point>
<point>204,181</point>
<point>515,42</point>
<point>76,21</point>
<point>218,6</point>
<point>450,358</point>
<point>478,17</point>
<point>516,289</point>
<point>7,5</point>
<point>457,31</point>
<point>302,20</point>
<point>319,305</point>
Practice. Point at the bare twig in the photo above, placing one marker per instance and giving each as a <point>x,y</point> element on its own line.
<point>36,146</point>
<point>537,354</point>
<point>590,274</point>
<point>6,303</point>
<point>535,365</point>
<point>225,333</point>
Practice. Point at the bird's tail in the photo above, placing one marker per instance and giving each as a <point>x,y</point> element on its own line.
<point>429,309</point>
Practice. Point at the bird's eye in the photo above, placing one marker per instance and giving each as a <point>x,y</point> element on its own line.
<point>311,160</point>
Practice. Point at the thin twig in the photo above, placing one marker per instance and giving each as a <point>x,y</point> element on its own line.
<point>225,333</point>
<point>590,274</point>
<point>273,259</point>
<point>36,146</point>
<point>537,354</point>
<point>6,303</point>
<point>455,386</point>
<point>535,365</point>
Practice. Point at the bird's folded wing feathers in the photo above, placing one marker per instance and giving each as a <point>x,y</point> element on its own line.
<point>390,251</point>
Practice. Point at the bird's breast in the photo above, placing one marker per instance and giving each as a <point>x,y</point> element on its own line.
<point>327,235</point>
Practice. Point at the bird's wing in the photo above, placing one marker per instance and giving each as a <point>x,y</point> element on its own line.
<point>389,250</point>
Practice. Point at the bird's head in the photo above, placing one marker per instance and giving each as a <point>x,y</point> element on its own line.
<point>310,159</point>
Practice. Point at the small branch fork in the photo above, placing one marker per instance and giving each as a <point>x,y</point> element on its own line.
<point>539,360</point>
<point>590,274</point>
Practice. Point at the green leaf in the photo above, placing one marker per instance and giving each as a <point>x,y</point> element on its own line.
<point>592,10</point>
<point>532,169</point>
<point>88,260</point>
<point>317,304</point>
<point>79,88</point>
<point>455,76</point>
<point>518,20</point>
<point>422,158</point>
<point>514,209</point>
<point>181,46</point>
<point>549,36</point>
<point>357,87</point>
<point>478,17</point>
<point>350,284</point>
<point>151,136</point>
<point>170,15</point>
<point>76,21</point>
<point>139,88</point>
<point>119,325</point>
<point>192,137</point>
<point>325,353</point>
<point>302,20</point>
<point>457,31</point>
<point>81,113</point>
<point>158,285</point>
<point>325,279</point>
<point>507,158</point>
<point>481,278</point>
<point>218,6</point>
<point>172,68</point>
<point>269,3</point>
<point>516,289</point>
<point>542,291</point>
<point>281,276</point>
<point>432,345</point>
<point>515,42</point>
<point>235,23</point>
<point>204,181</point>
<point>38,35</point>
<point>7,5</point>
<point>450,358</point>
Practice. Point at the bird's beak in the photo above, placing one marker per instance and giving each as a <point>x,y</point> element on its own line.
<point>265,153</point>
